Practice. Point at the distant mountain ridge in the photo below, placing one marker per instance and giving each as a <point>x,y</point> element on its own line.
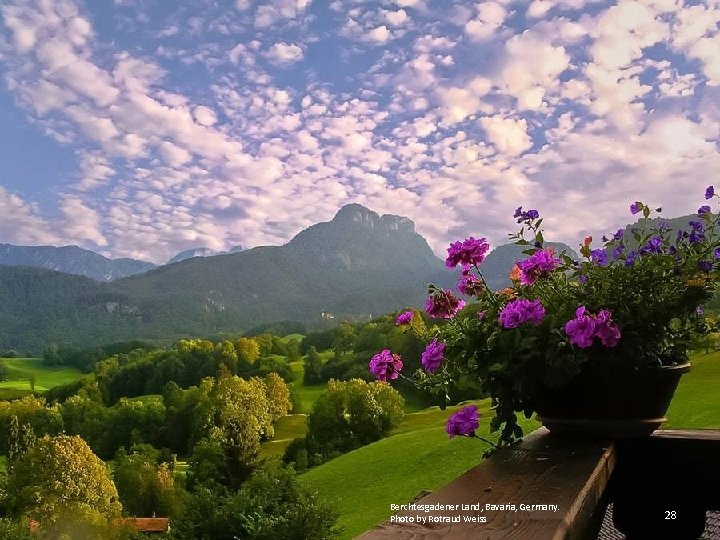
<point>358,264</point>
<point>72,260</point>
<point>203,252</point>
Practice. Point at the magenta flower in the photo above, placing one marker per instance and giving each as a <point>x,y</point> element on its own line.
<point>585,327</point>
<point>469,284</point>
<point>709,192</point>
<point>463,422</point>
<point>432,356</point>
<point>481,314</point>
<point>469,252</point>
<point>581,329</point>
<point>385,365</point>
<point>404,318</point>
<point>443,304</point>
<point>520,311</point>
<point>538,265</point>
<point>606,329</point>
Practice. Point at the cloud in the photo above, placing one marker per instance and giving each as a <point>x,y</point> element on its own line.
<point>396,18</point>
<point>507,134</point>
<point>279,10</point>
<point>80,222</point>
<point>379,35</point>
<point>285,53</point>
<point>429,110</point>
<point>490,18</point>
<point>204,116</point>
<point>21,223</point>
<point>531,69</point>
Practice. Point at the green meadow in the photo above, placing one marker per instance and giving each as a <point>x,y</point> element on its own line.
<point>20,372</point>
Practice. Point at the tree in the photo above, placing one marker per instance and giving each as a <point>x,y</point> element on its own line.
<point>44,419</point>
<point>226,354</point>
<point>351,414</point>
<point>145,487</point>
<point>265,342</point>
<point>344,338</point>
<point>271,504</point>
<point>278,396</point>
<point>87,418</point>
<point>313,367</point>
<point>60,477</point>
<point>248,352</point>
<point>235,413</point>
<point>293,350</point>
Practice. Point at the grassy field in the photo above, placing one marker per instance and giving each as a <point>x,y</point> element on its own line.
<point>20,370</point>
<point>419,456</point>
<point>696,404</point>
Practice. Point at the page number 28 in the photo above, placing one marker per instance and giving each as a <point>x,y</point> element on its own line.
<point>670,514</point>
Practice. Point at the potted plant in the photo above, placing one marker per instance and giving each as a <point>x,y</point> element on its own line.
<point>595,345</point>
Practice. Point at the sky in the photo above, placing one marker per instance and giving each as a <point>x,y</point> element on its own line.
<point>138,128</point>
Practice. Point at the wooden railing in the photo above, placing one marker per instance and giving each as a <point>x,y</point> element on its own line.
<point>558,487</point>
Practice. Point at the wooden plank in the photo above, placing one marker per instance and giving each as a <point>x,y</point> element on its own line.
<point>566,472</point>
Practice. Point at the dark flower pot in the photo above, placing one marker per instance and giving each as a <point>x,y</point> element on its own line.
<point>611,403</point>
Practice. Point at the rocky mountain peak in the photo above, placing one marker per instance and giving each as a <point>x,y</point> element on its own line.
<point>357,214</point>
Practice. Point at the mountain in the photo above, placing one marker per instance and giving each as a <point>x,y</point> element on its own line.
<point>203,252</point>
<point>190,253</point>
<point>499,262</point>
<point>71,260</point>
<point>358,264</point>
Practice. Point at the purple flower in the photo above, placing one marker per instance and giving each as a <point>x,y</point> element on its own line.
<point>704,266</point>
<point>619,234</point>
<point>463,422</point>
<point>697,234</point>
<point>525,216</point>
<point>385,365</point>
<point>618,251</point>
<point>709,192</point>
<point>654,245</point>
<point>717,254</point>
<point>699,311</point>
<point>404,318</point>
<point>520,311</point>
<point>443,304</point>
<point>636,207</point>
<point>481,314</point>
<point>598,256</point>
<point>703,210</point>
<point>469,284</point>
<point>538,265</point>
<point>581,329</point>
<point>582,278</point>
<point>606,329</point>
<point>470,251</point>
<point>432,356</point>
<point>630,259</point>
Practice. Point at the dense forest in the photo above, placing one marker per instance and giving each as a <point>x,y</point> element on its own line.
<point>182,428</point>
